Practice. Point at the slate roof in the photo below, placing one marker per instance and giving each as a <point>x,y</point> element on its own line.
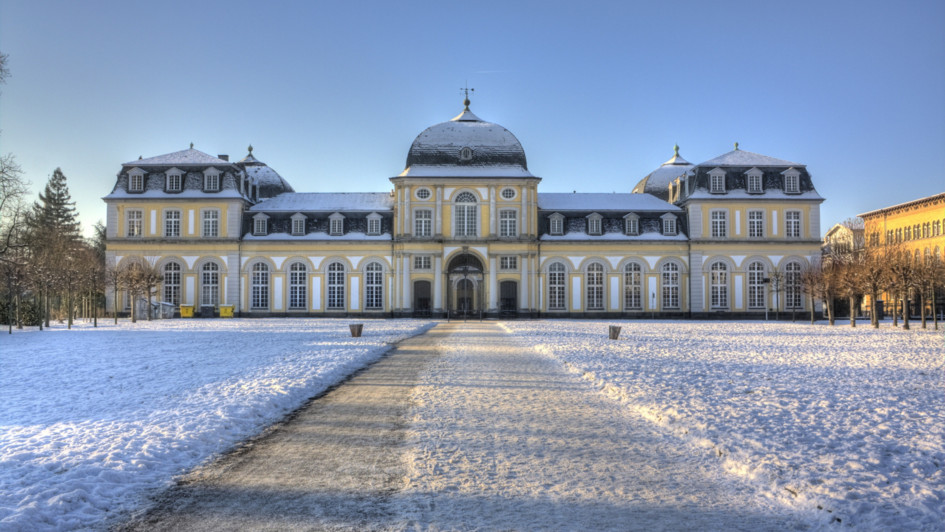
<point>327,201</point>
<point>657,183</point>
<point>746,158</point>
<point>180,158</point>
<point>270,183</point>
<point>552,201</point>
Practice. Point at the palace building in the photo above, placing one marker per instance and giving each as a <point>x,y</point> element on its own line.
<point>465,229</point>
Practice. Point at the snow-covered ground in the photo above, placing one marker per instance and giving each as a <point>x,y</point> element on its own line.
<point>848,424</point>
<point>92,419</point>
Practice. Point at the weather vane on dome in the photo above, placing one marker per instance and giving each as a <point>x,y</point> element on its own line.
<point>466,90</point>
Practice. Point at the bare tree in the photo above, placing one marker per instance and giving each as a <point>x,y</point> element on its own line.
<point>828,286</point>
<point>874,278</point>
<point>850,279</point>
<point>151,279</point>
<point>115,279</point>
<point>776,287</point>
<point>902,270</point>
<point>811,278</point>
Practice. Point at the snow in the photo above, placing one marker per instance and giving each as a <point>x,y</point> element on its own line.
<point>94,419</point>
<point>160,193</point>
<point>326,201</point>
<point>265,176</point>
<point>845,424</point>
<point>317,236</point>
<point>182,157</point>
<point>553,201</point>
<point>446,170</point>
<point>768,195</point>
<point>613,236</point>
<point>747,158</point>
<point>657,183</point>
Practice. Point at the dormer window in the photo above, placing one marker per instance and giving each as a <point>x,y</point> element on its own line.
<point>557,224</point>
<point>211,180</point>
<point>669,224</point>
<point>792,181</point>
<point>754,180</point>
<point>374,224</point>
<point>136,180</point>
<point>298,224</point>
<point>594,224</point>
<point>717,181</point>
<point>173,182</point>
<point>260,224</point>
<point>336,224</point>
<point>632,222</point>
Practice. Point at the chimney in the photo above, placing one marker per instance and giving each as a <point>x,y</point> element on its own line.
<point>224,157</point>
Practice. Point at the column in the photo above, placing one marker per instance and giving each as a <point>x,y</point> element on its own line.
<point>493,285</point>
<point>232,286</point>
<point>438,230</point>
<point>523,300</point>
<point>492,230</point>
<point>525,210</point>
<point>438,284</point>
<point>407,229</point>
<point>407,302</point>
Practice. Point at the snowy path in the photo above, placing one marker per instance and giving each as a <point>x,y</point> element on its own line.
<point>499,437</point>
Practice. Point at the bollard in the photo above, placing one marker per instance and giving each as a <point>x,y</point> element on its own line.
<point>356,329</point>
<point>614,332</point>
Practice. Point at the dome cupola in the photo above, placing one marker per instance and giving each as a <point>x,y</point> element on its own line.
<point>657,183</point>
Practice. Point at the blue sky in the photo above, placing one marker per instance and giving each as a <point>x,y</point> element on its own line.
<point>332,94</point>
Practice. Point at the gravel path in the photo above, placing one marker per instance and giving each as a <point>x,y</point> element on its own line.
<point>462,428</point>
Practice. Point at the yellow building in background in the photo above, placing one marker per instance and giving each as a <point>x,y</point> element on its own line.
<point>917,225</point>
<point>465,230</point>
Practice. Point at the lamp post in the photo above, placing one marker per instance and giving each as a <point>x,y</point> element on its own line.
<point>465,270</point>
<point>766,281</point>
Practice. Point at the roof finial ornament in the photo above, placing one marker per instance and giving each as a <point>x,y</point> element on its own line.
<point>736,146</point>
<point>191,145</point>
<point>676,150</point>
<point>466,90</point>
<point>250,149</point>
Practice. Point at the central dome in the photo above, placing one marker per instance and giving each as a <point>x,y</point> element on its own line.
<point>466,146</point>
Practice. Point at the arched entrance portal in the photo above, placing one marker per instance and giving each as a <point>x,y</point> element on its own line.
<point>464,285</point>
<point>508,302</point>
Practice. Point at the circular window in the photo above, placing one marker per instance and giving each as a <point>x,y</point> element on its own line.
<point>465,154</point>
<point>423,193</point>
<point>508,193</point>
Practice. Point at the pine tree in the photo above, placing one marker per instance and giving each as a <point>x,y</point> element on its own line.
<point>55,210</point>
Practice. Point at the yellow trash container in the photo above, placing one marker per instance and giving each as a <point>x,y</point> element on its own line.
<point>186,311</point>
<point>226,311</point>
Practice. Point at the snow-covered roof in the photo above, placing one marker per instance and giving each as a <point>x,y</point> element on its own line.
<point>614,236</point>
<point>552,201</point>
<point>317,236</point>
<point>492,146</point>
<point>447,170</point>
<point>169,196</point>
<point>770,194</point>
<point>183,157</point>
<point>327,201</point>
<point>738,157</point>
<point>270,183</point>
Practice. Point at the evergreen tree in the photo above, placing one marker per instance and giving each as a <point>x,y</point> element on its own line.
<point>55,210</point>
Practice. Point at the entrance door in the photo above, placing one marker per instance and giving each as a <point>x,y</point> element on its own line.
<point>421,298</point>
<point>464,296</point>
<point>508,302</point>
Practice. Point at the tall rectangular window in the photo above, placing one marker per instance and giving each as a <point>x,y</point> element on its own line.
<point>466,220</point>
<point>670,284</point>
<point>633,285</point>
<point>135,223</point>
<point>719,224</point>
<point>172,223</point>
<point>754,183</point>
<point>298,286</point>
<point>595,287</point>
<point>556,286</point>
<point>336,286</point>
<point>173,182</point>
<point>423,223</point>
<point>507,223</point>
<point>374,287</point>
<point>793,224</point>
<point>756,224</point>
<point>211,223</point>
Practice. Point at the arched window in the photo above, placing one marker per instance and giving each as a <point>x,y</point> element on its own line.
<point>718,283</point>
<point>917,255</point>
<point>465,219</point>
<point>632,286</point>
<point>374,285</point>
<point>756,285</point>
<point>927,256</point>
<point>210,284</point>
<point>298,286</point>
<point>938,254</point>
<point>595,287</point>
<point>336,286</point>
<point>792,285</point>
<point>260,286</point>
<point>670,279</point>
<point>556,286</point>
<point>172,283</point>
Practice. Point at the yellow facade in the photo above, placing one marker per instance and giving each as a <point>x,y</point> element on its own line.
<point>916,225</point>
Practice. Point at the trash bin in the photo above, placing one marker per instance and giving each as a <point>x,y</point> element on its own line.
<point>356,329</point>
<point>614,332</point>
<point>207,311</point>
<point>226,311</point>
<point>186,311</point>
